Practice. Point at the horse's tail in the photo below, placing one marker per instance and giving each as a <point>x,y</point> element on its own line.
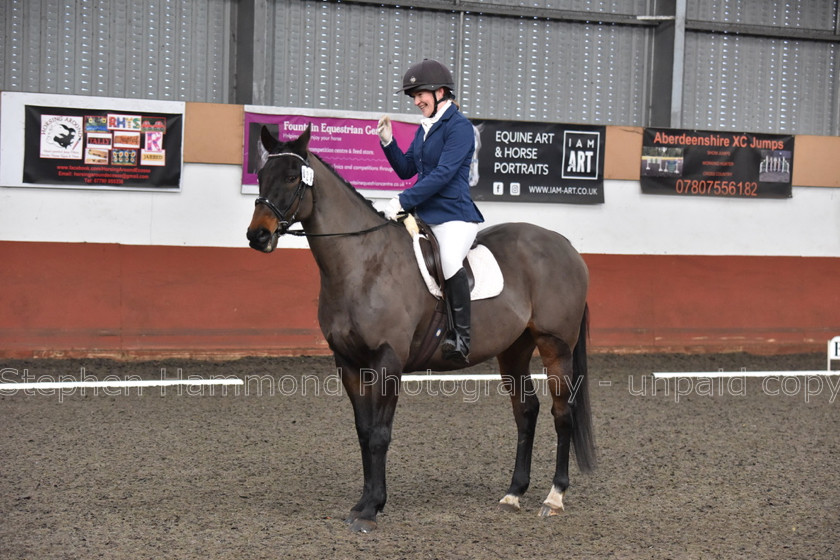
<point>582,435</point>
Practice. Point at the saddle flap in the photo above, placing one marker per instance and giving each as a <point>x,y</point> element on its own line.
<point>483,272</point>
<point>431,256</point>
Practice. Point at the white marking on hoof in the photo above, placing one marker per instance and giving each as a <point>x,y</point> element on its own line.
<point>510,503</point>
<point>553,504</point>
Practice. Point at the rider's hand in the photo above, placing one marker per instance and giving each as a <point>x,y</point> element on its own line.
<point>392,208</point>
<point>384,130</point>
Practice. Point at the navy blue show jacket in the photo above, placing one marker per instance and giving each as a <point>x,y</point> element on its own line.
<point>442,165</point>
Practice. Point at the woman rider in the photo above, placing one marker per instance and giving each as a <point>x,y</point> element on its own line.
<point>440,156</point>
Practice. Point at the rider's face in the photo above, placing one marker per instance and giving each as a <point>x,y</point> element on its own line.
<point>425,101</point>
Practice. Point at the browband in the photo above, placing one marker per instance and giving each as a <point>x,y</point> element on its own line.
<point>307,175</point>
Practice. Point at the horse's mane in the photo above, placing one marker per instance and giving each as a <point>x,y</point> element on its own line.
<point>347,184</point>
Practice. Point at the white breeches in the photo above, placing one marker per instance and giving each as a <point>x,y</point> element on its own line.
<point>455,239</point>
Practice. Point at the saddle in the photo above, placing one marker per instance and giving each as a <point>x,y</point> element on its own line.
<point>431,255</point>
<point>485,284</point>
<point>483,272</point>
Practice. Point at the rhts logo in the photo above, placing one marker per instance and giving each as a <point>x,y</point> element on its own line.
<point>124,122</point>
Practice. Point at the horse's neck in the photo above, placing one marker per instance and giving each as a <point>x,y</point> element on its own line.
<point>336,206</point>
<point>338,209</point>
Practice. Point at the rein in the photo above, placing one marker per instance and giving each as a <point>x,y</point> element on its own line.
<point>302,233</point>
<point>307,179</point>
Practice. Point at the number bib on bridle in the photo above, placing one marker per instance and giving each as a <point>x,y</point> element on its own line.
<point>307,179</point>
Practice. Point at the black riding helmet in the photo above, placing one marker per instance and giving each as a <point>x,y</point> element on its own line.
<point>428,75</point>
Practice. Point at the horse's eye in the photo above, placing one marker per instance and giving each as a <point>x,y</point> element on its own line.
<point>291,178</point>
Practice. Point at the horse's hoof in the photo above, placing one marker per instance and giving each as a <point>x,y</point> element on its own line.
<point>553,504</point>
<point>510,503</point>
<point>359,525</point>
<point>548,511</point>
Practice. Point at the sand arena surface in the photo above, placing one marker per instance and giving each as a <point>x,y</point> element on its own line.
<point>743,469</point>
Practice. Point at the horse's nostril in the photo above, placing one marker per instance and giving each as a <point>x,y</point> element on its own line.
<point>259,237</point>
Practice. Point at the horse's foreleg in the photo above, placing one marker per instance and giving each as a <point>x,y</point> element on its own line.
<point>558,364</point>
<point>373,393</point>
<point>513,365</point>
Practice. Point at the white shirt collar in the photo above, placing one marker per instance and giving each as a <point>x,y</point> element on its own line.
<point>427,123</point>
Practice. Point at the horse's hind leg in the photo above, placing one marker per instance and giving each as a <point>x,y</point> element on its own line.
<point>513,365</point>
<point>557,360</point>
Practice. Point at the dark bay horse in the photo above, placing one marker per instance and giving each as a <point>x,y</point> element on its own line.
<point>374,309</point>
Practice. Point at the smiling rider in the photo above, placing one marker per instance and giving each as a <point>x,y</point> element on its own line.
<point>439,155</point>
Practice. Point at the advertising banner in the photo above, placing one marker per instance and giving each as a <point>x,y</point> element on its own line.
<point>67,146</point>
<point>349,145</point>
<point>538,162</point>
<point>723,164</point>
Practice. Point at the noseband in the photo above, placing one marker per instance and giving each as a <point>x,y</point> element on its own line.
<point>307,179</point>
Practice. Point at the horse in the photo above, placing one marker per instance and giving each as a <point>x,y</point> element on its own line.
<point>374,309</point>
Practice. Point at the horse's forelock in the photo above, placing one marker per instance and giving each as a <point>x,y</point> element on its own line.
<point>269,145</point>
<point>263,154</point>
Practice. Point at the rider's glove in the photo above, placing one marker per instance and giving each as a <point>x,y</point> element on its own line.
<point>384,130</point>
<point>392,208</point>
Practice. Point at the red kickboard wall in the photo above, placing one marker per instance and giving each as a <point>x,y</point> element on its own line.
<point>86,299</point>
<point>67,299</point>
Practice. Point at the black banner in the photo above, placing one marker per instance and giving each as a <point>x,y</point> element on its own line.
<point>98,148</point>
<point>725,164</point>
<point>538,162</point>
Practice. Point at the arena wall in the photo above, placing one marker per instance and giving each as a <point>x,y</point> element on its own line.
<point>152,274</point>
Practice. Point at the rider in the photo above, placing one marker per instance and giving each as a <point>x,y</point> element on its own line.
<point>440,156</point>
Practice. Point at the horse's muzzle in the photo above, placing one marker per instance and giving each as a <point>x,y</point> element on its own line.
<point>262,240</point>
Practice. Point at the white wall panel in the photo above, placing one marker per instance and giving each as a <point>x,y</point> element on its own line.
<point>339,55</point>
<point>627,7</point>
<point>760,85</point>
<point>210,212</point>
<point>528,69</point>
<point>348,56</point>
<point>808,14</point>
<point>335,55</point>
<point>148,49</point>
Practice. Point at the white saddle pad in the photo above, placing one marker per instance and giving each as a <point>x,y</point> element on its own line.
<point>488,276</point>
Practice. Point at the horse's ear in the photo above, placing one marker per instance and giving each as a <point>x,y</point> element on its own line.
<point>269,142</point>
<point>265,146</point>
<point>301,145</point>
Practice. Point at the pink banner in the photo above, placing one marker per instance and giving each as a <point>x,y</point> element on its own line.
<point>350,146</point>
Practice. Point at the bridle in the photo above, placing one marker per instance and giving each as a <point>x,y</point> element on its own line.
<point>307,179</point>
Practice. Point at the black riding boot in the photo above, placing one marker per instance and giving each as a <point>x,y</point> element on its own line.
<point>456,290</point>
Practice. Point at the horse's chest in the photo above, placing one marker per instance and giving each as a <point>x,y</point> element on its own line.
<point>351,324</point>
<point>361,311</point>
